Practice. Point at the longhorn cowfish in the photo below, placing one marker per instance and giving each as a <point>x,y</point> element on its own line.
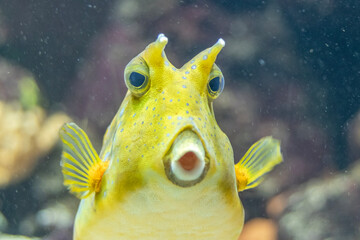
<point>165,170</point>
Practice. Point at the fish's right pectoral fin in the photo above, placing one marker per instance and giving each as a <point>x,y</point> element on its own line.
<point>260,159</point>
<point>81,166</point>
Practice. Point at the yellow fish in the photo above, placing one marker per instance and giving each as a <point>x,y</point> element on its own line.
<point>166,170</point>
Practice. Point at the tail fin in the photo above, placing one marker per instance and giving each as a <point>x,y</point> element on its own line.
<point>81,166</point>
<point>260,159</point>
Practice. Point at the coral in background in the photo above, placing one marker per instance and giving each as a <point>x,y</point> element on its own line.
<point>27,132</point>
<point>25,135</point>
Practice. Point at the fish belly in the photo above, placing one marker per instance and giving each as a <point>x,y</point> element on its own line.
<point>147,214</point>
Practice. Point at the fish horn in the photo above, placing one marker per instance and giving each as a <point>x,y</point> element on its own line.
<point>206,59</point>
<point>154,52</point>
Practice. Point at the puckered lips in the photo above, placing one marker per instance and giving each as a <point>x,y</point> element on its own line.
<point>186,163</point>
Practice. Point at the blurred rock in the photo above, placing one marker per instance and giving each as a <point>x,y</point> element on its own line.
<point>53,216</point>
<point>276,205</point>
<point>48,183</point>
<point>259,229</point>
<point>57,215</point>
<point>323,208</point>
<point>60,234</point>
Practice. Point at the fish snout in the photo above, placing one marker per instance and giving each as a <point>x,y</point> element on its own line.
<point>186,163</point>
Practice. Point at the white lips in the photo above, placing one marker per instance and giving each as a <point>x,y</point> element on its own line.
<point>187,142</point>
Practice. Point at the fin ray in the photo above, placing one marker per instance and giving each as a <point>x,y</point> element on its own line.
<point>69,181</point>
<point>72,167</point>
<point>75,145</point>
<point>74,152</point>
<point>85,139</point>
<point>74,175</point>
<point>73,161</point>
<point>249,152</point>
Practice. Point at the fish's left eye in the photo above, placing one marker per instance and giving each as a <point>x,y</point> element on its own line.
<point>137,77</point>
<point>215,86</point>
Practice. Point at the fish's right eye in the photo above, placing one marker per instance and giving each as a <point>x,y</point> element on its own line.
<point>137,77</point>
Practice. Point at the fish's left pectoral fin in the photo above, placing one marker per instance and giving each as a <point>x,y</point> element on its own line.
<point>260,159</point>
<point>81,166</point>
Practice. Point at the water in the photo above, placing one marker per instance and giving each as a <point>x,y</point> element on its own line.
<point>291,70</point>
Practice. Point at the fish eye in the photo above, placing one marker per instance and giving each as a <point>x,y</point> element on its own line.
<point>215,86</point>
<point>137,77</point>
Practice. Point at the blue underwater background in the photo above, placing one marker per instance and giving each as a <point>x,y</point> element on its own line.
<point>292,70</point>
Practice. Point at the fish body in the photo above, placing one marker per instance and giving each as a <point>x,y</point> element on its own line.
<point>166,170</point>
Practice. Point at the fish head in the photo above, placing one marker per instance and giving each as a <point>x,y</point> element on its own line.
<point>166,127</point>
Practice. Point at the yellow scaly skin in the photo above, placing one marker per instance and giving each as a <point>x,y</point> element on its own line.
<point>136,199</point>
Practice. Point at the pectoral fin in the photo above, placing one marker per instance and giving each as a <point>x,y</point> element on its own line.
<point>81,166</point>
<point>260,159</point>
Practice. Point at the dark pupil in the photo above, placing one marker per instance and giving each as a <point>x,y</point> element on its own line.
<point>214,84</point>
<point>136,79</point>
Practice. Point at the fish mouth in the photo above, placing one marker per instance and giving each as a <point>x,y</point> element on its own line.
<point>186,162</point>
